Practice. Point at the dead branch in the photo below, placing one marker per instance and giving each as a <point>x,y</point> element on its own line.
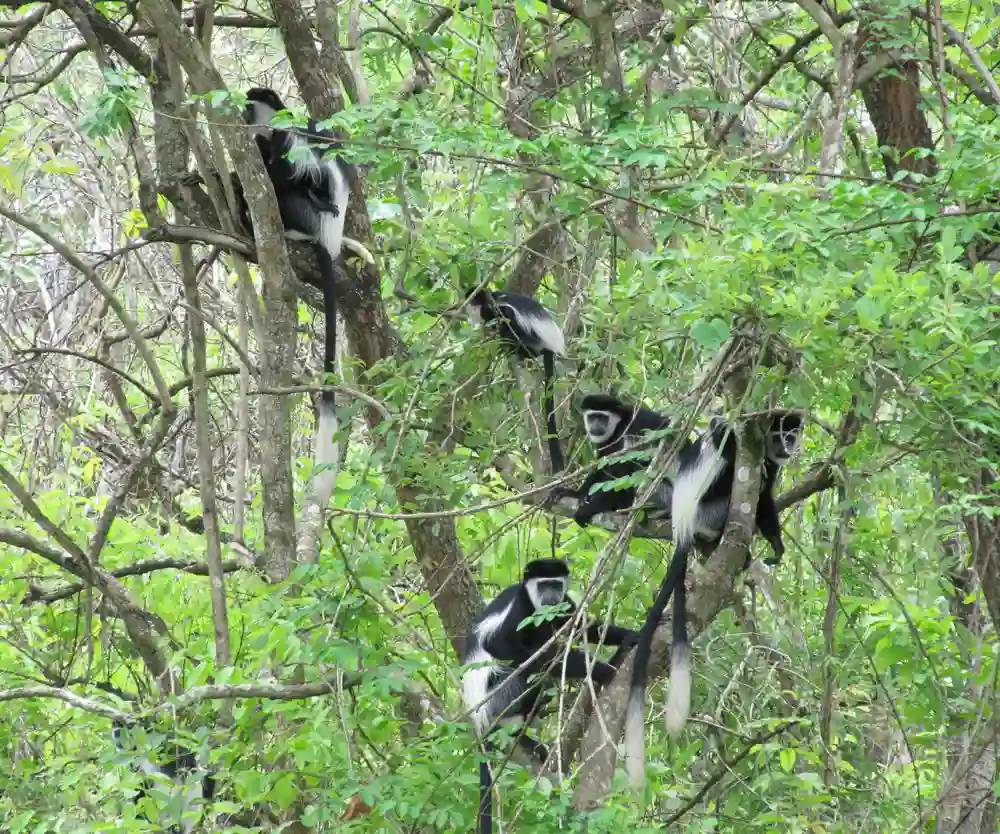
<point>38,594</point>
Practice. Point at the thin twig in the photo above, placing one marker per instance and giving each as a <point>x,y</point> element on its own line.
<point>727,766</point>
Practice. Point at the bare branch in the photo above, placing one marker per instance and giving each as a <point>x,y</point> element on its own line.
<point>22,28</point>
<point>825,22</point>
<point>726,767</point>
<point>87,16</point>
<point>201,234</point>
<point>127,481</point>
<point>71,698</point>
<point>786,57</point>
<point>37,594</point>
<point>96,360</point>
<point>272,691</point>
<point>819,479</point>
<point>123,316</point>
<point>195,695</point>
<point>880,62</point>
<point>970,81</point>
<point>957,38</point>
<point>18,538</point>
<point>138,622</point>
<point>206,470</point>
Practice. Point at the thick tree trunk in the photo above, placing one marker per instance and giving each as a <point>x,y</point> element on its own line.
<point>373,339</point>
<point>893,102</point>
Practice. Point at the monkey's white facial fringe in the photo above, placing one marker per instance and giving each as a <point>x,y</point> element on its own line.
<point>600,425</point>
<point>262,114</point>
<point>635,740</point>
<point>679,697</point>
<point>539,597</point>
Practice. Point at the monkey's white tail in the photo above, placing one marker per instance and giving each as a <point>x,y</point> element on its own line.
<point>326,452</point>
<point>679,695</point>
<point>635,739</point>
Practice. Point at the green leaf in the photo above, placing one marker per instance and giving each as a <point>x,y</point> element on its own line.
<point>60,165</point>
<point>787,758</point>
<point>869,312</point>
<point>20,822</point>
<point>284,791</point>
<point>711,334</point>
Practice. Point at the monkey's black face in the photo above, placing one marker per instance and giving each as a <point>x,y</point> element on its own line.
<point>476,306</point>
<point>265,96</point>
<point>785,439</point>
<point>545,591</point>
<point>480,306</point>
<point>262,104</point>
<point>600,426</point>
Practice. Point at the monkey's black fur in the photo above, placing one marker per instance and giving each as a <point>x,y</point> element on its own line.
<point>496,691</point>
<point>529,330</point>
<point>174,769</point>
<point>702,490</point>
<point>311,183</point>
<point>614,427</point>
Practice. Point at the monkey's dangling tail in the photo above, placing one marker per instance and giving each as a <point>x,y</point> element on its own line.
<point>555,450</point>
<point>680,668</point>
<point>485,812</point>
<point>679,692</point>
<point>326,453</point>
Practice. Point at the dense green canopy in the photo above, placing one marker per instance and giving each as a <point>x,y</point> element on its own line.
<point>731,207</point>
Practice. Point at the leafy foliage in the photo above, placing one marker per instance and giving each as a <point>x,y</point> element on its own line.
<point>667,242</point>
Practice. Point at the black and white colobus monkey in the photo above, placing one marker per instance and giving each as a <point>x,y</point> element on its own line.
<point>614,427</point>
<point>702,488</point>
<point>194,793</point>
<point>529,330</point>
<point>312,189</point>
<point>497,691</point>
<point>311,183</point>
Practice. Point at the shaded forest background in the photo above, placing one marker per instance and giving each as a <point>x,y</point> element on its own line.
<point>730,205</point>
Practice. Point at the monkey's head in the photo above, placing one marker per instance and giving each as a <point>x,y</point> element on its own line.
<point>479,305</point>
<point>262,104</point>
<point>546,581</point>
<point>602,414</point>
<point>784,438</point>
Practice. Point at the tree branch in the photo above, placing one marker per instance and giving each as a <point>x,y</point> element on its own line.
<point>128,323</point>
<point>18,538</point>
<point>271,691</point>
<point>173,233</point>
<point>87,358</point>
<point>206,470</point>
<point>195,695</point>
<point>107,33</point>
<point>139,623</point>
<point>38,594</point>
<point>786,57</point>
<point>71,698</point>
<point>959,40</point>
<point>726,767</point>
<point>825,22</point>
